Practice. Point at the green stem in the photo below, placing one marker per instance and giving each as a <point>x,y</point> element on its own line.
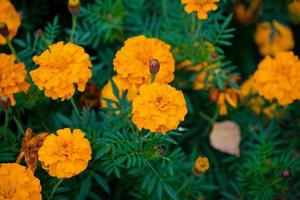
<point>212,122</point>
<point>164,8</point>
<point>19,126</point>
<point>75,107</point>
<point>12,49</point>
<point>193,25</point>
<point>55,188</point>
<point>184,185</point>
<point>74,24</point>
<point>6,118</point>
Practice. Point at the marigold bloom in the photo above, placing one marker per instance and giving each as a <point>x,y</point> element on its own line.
<point>122,85</point>
<point>60,68</point>
<point>245,14</point>
<point>12,77</point>
<point>201,165</point>
<point>294,10</point>
<point>11,18</point>
<point>17,182</point>
<point>278,78</point>
<point>202,7</point>
<point>132,60</point>
<point>158,107</point>
<point>65,154</point>
<point>273,37</point>
<point>223,97</point>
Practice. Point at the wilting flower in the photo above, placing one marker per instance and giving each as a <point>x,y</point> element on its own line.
<point>158,107</point>
<point>278,78</point>
<point>294,10</point>
<point>223,97</point>
<point>12,77</point>
<point>201,165</point>
<point>11,18</point>
<point>107,92</point>
<point>273,37</point>
<point>60,68</point>
<point>31,143</point>
<point>90,97</point>
<point>202,7</point>
<point>258,104</point>
<point>65,154</point>
<point>132,61</point>
<point>17,182</point>
<point>245,14</point>
<point>207,51</point>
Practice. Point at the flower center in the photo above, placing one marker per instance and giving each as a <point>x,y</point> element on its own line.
<point>66,149</point>
<point>161,104</point>
<point>7,189</point>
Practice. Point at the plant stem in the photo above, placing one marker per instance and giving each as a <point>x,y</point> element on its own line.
<point>19,126</point>
<point>184,184</point>
<point>74,24</point>
<point>12,49</point>
<point>6,118</point>
<point>55,188</point>
<point>75,107</point>
<point>212,122</point>
<point>164,8</point>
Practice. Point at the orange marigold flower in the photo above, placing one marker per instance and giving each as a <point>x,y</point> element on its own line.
<point>223,97</point>
<point>132,60</point>
<point>278,78</point>
<point>201,165</point>
<point>12,77</point>
<point>294,10</point>
<point>122,85</point>
<point>65,154</point>
<point>273,37</point>
<point>11,18</point>
<point>245,14</point>
<point>60,68</point>
<point>202,7</point>
<point>17,182</point>
<point>158,107</point>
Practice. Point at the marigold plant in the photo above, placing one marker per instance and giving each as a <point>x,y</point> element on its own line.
<point>17,182</point>
<point>202,7</point>
<point>12,77</point>
<point>158,108</point>
<point>61,67</point>
<point>278,78</point>
<point>10,17</point>
<point>65,154</point>
<point>132,61</point>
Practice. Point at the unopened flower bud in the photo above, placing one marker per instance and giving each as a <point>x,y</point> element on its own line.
<point>214,95</point>
<point>38,32</point>
<point>154,66</point>
<point>3,29</point>
<point>214,55</point>
<point>285,173</point>
<point>5,102</point>
<point>74,6</point>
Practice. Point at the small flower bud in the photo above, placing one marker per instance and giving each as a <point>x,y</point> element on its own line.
<point>214,95</point>
<point>74,6</point>
<point>3,29</point>
<point>38,32</point>
<point>214,55</point>
<point>154,66</point>
<point>5,102</point>
<point>285,173</point>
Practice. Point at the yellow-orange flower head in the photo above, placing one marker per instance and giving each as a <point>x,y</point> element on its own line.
<point>273,37</point>
<point>201,164</point>
<point>18,183</point>
<point>122,85</point>
<point>12,77</point>
<point>11,18</point>
<point>65,154</point>
<point>202,7</point>
<point>60,68</point>
<point>294,10</point>
<point>279,77</point>
<point>132,60</point>
<point>158,107</point>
